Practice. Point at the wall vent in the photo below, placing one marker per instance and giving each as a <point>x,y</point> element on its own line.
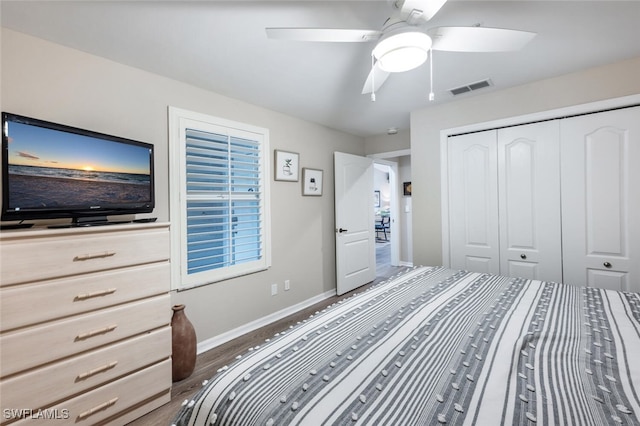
<point>470,87</point>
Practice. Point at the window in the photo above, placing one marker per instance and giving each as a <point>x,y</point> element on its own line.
<point>219,199</point>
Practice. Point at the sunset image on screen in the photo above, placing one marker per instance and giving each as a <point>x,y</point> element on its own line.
<point>48,166</point>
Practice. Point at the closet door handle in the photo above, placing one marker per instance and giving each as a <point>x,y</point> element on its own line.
<point>523,256</point>
<point>607,265</point>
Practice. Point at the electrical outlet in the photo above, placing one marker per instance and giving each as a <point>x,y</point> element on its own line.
<point>274,289</point>
<point>287,285</point>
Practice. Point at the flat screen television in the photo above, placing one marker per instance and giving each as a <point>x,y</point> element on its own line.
<point>54,171</point>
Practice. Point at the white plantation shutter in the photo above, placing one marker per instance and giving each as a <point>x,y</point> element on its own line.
<point>223,208</point>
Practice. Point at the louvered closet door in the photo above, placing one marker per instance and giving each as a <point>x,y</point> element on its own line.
<point>601,199</point>
<point>473,202</point>
<point>529,201</point>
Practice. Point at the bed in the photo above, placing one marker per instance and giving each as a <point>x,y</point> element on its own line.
<point>440,346</point>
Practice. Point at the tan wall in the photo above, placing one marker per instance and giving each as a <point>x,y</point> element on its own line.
<point>388,143</point>
<point>610,81</point>
<point>55,83</point>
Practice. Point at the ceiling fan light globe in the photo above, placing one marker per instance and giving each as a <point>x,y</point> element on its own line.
<point>402,51</point>
<point>403,59</point>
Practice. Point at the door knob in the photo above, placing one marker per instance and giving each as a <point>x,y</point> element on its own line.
<point>523,256</point>
<point>607,265</point>
<point>341,230</point>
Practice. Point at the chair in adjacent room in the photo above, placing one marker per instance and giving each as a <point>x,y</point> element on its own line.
<point>382,225</point>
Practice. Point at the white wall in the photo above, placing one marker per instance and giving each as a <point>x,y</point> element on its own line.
<point>610,81</point>
<point>48,81</point>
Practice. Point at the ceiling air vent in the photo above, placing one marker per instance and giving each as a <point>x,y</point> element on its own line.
<point>470,87</point>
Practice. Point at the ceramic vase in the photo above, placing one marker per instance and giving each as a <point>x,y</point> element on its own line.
<point>183,344</point>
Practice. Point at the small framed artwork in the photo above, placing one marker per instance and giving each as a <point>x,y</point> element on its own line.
<point>406,189</point>
<point>376,198</point>
<point>311,181</point>
<point>286,165</point>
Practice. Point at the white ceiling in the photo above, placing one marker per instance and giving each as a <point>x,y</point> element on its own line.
<point>222,46</point>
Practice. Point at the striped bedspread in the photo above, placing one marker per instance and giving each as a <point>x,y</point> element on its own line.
<point>439,346</point>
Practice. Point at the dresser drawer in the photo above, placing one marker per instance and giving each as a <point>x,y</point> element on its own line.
<point>43,386</point>
<point>30,259</point>
<point>111,399</point>
<point>133,413</point>
<point>28,304</point>
<point>30,347</point>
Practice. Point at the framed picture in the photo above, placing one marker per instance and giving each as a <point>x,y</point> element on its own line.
<point>311,181</point>
<point>376,198</point>
<point>286,165</point>
<point>406,189</point>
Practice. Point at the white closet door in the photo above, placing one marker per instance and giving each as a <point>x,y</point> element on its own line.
<point>473,202</point>
<point>529,201</point>
<point>600,160</point>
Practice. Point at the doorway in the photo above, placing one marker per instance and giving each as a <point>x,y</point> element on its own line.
<point>392,172</point>
<point>382,174</point>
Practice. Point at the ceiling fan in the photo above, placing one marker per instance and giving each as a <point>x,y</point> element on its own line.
<point>405,43</point>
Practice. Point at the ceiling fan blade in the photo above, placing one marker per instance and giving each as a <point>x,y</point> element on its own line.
<point>478,39</point>
<point>323,34</point>
<point>378,75</point>
<point>419,11</point>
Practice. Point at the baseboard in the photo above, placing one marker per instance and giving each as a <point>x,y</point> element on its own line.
<point>218,340</point>
<point>409,264</point>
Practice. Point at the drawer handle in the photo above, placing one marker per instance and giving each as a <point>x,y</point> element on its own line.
<point>94,256</point>
<point>97,332</point>
<point>97,408</point>
<point>85,296</point>
<point>96,370</point>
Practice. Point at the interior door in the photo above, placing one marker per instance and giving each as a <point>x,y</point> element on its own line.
<point>473,202</point>
<point>600,154</point>
<point>529,201</point>
<point>355,236</point>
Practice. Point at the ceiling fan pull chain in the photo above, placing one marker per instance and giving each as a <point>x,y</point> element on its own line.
<point>373,79</point>
<point>431,94</point>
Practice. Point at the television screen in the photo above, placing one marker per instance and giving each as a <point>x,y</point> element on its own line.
<point>51,170</point>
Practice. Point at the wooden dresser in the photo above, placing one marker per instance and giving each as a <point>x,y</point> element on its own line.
<point>85,315</point>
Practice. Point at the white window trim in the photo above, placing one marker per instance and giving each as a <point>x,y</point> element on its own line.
<point>179,120</point>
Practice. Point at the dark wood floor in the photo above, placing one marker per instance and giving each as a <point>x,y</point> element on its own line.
<point>209,362</point>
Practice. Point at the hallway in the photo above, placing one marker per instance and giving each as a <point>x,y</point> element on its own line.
<point>383,258</point>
